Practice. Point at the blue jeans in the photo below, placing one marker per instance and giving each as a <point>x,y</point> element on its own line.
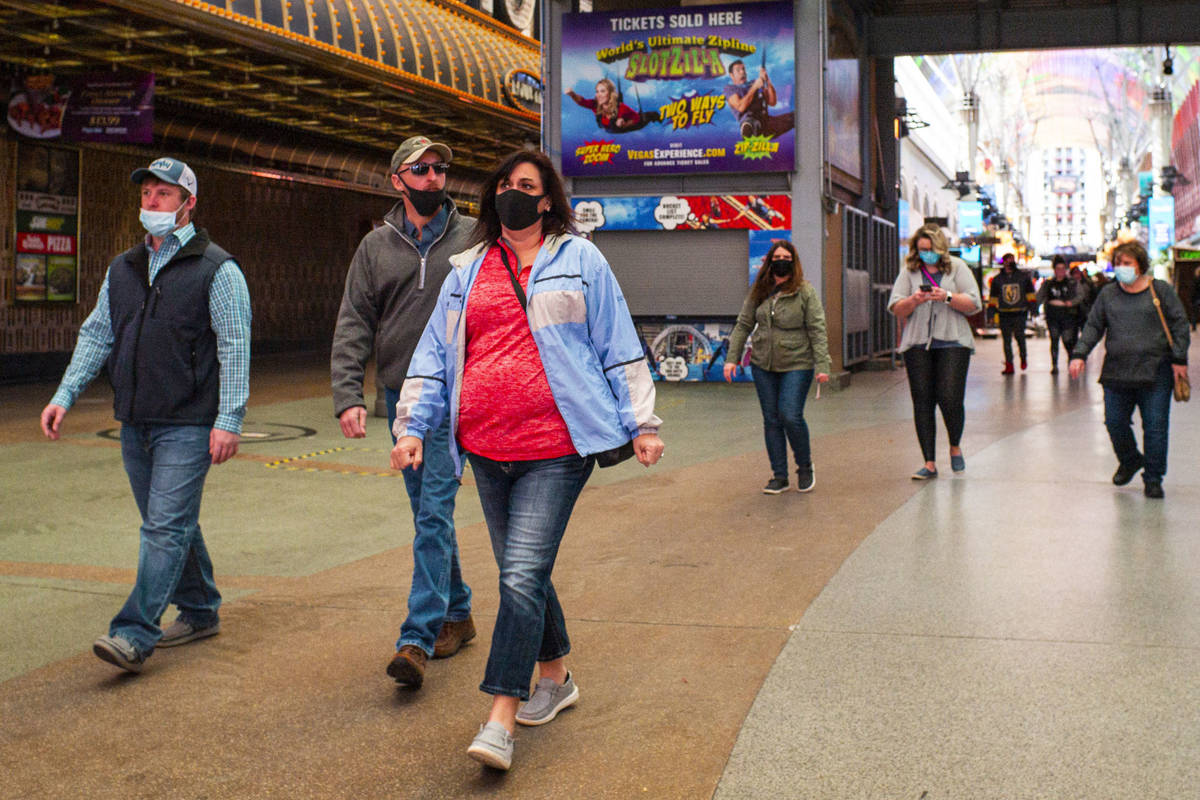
<point>1154,403</point>
<point>782,396</point>
<point>438,593</point>
<point>527,505</point>
<point>166,465</point>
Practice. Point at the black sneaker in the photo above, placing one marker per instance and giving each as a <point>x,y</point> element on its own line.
<point>776,486</point>
<point>806,479</point>
<point>1125,472</point>
<point>1154,490</point>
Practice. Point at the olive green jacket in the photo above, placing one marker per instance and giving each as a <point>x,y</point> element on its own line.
<point>787,332</point>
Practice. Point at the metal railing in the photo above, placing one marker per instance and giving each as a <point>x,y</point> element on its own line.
<point>870,262</point>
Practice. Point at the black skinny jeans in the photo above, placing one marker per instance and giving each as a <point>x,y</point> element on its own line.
<point>937,378</point>
<point>1012,326</point>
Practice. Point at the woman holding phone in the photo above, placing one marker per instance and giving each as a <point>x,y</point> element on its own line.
<point>934,295</point>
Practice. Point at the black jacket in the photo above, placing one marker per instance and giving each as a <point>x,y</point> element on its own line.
<point>163,364</point>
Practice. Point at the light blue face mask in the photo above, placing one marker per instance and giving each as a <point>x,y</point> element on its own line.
<point>929,256</point>
<point>158,223</point>
<point>1125,275</point>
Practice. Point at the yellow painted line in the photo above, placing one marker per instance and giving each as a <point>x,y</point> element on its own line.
<point>291,464</point>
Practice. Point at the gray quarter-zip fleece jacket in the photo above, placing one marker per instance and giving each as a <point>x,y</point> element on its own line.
<point>391,290</point>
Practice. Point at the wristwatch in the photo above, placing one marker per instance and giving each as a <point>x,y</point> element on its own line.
<point>948,296</point>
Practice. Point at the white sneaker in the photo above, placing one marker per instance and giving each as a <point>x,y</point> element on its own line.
<point>492,746</point>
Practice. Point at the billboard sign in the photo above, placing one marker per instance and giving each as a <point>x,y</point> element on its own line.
<point>1162,223</point>
<point>679,90</point>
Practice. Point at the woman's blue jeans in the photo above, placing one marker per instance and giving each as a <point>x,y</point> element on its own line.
<point>527,505</point>
<point>782,396</point>
<point>1154,403</point>
<point>166,465</point>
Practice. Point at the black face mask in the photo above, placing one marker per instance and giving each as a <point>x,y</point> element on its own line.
<point>781,267</point>
<point>518,210</point>
<point>426,203</point>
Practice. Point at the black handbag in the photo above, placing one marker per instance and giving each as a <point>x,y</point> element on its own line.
<point>610,458</point>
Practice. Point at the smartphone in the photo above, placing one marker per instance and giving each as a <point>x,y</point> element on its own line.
<point>926,287</point>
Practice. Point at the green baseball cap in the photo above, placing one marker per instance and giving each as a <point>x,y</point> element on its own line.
<point>414,147</point>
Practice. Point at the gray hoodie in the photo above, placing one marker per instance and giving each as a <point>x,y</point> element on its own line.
<point>390,293</point>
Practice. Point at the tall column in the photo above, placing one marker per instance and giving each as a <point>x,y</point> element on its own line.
<point>970,121</point>
<point>1160,154</point>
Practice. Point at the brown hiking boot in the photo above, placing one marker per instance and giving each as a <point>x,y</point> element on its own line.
<point>452,636</point>
<point>408,666</point>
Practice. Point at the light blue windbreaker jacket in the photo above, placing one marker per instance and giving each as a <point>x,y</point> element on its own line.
<point>591,352</point>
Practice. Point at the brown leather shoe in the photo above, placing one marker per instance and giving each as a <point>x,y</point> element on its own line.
<point>453,636</point>
<point>408,666</point>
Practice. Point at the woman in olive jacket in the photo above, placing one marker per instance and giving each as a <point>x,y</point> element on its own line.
<point>788,347</point>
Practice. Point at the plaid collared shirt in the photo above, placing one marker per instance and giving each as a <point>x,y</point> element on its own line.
<point>229,314</point>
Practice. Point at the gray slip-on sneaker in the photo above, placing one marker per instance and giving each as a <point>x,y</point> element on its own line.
<point>492,746</point>
<point>180,632</point>
<point>548,699</point>
<point>118,652</point>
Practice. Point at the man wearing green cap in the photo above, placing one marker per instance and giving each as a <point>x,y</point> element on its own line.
<point>172,324</point>
<point>391,290</point>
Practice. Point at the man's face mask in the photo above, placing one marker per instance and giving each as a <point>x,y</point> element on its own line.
<point>425,202</point>
<point>159,223</point>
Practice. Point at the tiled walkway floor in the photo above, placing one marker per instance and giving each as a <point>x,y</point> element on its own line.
<point>1023,630</point>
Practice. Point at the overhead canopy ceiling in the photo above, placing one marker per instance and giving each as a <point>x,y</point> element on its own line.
<point>910,27</point>
<point>357,73</point>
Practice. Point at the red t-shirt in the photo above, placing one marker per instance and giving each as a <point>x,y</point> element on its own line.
<point>506,411</point>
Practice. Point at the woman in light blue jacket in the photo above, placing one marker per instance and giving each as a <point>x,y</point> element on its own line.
<point>532,353</point>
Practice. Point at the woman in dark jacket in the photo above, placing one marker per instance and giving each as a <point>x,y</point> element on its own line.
<point>788,348</point>
<point>1139,366</point>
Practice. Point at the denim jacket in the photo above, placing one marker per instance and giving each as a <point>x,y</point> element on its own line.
<point>593,357</point>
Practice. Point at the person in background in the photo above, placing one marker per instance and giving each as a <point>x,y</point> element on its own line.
<point>1011,297</point>
<point>172,325</point>
<point>1140,366</point>
<point>1087,291</point>
<point>1060,298</point>
<point>391,288</point>
<point>532,356</point>
<point>934,295</point>
<point>789,347</point>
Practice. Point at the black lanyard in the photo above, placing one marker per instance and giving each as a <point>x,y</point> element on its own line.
<point>513,277</point>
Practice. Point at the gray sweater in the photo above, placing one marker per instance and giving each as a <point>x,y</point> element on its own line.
<point>1134,341</point>
<point>390,293</point>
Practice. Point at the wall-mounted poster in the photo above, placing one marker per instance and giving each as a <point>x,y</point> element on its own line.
<point>36,104</point>
<point>683,213</point>
<point>47,222</point>
<point>111,107</point>
<point>679,90</point>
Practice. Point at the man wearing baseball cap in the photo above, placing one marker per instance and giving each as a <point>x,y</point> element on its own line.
<point>172,324</point>
<point>391,289</point>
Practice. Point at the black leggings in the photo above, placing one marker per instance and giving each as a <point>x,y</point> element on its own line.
<point>1064,328</point>
<point>937,378</point>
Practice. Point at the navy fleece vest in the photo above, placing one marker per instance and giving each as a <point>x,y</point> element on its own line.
<point>163,364</point>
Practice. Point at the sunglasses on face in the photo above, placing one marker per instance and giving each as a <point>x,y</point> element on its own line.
<point>422,168</point>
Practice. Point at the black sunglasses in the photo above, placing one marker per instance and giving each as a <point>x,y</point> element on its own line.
<point>422,167</point>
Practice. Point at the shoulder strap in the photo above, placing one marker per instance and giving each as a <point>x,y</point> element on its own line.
<point>512,276</point>
<point>1161,318</point>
